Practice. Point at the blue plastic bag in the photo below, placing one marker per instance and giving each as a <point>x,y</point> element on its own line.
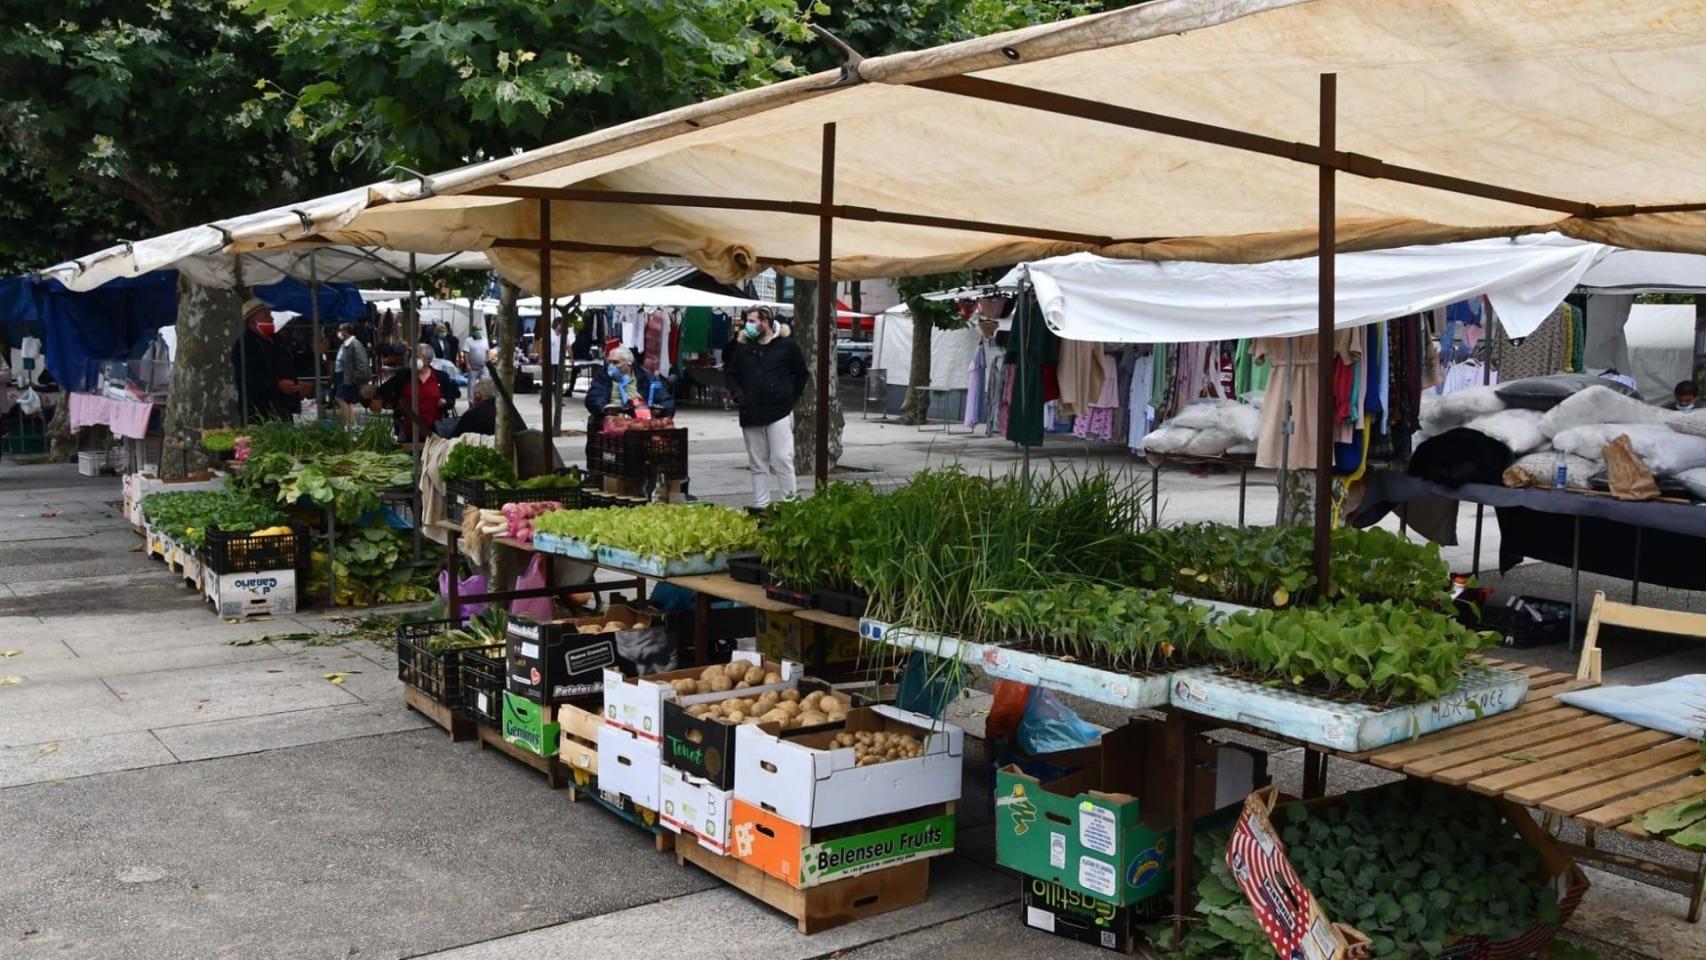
<point>1050,726</point>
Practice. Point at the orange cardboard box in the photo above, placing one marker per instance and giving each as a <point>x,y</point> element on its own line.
<point>805,857</point>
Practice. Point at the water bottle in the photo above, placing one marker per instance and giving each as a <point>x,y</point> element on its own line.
<point>1560,473</point>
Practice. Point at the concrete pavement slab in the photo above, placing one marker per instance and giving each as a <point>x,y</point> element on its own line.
<point>376,847</point>
<point>18,648</point>
<point>203,694</point>
<point>112,665</point>
<point>80,757</point>
<point>994,934</point>
<point>226,738</point>
<point>1638,918</point>
<point>725,923</point>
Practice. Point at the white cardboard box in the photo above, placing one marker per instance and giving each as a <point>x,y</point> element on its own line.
<point>807,781</point>
<point>629,764</point>
<point>693,806</point>
<point>637,705</point>
<point>238,595</point>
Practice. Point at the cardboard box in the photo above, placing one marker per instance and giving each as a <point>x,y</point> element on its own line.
<point>579,744</point>
<point>530,726</point>
<point>1052,908</point>
<point>803,856</point>
<point>552,662</point>
<point>705,747</point>
<point>139,485</point>
<point>783,636</point>
<point>1298,926</point>
<point>636,705</point>
<point>628,764</point>
<point>238,595</point>
<point>808,780</point>
<point>694,807</point>
<point>1105,830</point>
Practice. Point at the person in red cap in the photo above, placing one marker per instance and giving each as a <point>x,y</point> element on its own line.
<point>266,376</point>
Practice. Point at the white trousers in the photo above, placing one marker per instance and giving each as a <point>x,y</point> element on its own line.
<point>771,450</point>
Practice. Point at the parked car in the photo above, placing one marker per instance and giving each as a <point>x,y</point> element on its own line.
<point>852,357</point>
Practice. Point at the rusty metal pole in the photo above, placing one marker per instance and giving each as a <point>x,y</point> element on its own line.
<point>825,306</point>
<point>1326,255</point>
<point>546,386</point>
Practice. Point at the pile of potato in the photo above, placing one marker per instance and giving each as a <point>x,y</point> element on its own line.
<point>722,678</point>
<point>611,627</point>
<point>880,747</point>
<point>788,708</point>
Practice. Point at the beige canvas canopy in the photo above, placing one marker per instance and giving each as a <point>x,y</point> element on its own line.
<point>1587,107</point>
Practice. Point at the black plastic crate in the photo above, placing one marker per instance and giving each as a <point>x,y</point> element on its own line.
<point>483,496</point>
<point>842,603</point>
<point>482,672</point>
<point>438,675</point>
<point>226,551</point>
<point>638,454</point>
<point>748,570</point>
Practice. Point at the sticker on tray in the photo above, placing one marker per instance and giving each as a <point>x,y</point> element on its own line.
<point>1097,876</point>
<point>1333,732</point>
<point>1096,828</point>
<point>1057,851</point>
<point>530,651</point>
<point>1191,690</point>
<point>484,707</point>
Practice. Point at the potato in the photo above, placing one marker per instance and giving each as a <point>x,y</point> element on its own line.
<point>591,628</point>
<point>749,720</point>
<point>708,673</point>
<point>772,677</point>
<point>685,688</point>
<point>697,710</point>
<point>736,670</point>
<point>812,718</point>
<point>792,696</point>
<point>613,626</point>
<point>774,716</point>
<point>754,676</point>
<point>743,685</point>
<point>768,700</point>
<point>790,706</point>
<point>721,684</point>
<point>735,716</point>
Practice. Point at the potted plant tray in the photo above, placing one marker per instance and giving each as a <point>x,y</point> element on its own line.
<point>653,566</point>
<point>1348,726</point>
<point>563,546</point>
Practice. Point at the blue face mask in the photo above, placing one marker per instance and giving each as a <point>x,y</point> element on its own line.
<point>614,371</point>
<point>752,331</point>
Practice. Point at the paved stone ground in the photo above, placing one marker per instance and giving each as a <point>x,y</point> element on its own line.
<point>167,794</point>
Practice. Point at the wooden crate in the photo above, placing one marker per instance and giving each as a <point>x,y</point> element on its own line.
<point>555,771</point>
<point>458,726</point>
<point>825,907</point>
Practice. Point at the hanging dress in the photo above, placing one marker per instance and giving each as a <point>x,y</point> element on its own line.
<point>1300,379</point>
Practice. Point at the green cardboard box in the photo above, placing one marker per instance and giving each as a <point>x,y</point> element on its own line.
<point>531,726</point>
<point>1106,829</point>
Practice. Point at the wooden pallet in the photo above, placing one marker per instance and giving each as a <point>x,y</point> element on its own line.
<point>819,908</point>
<point>459,727</point>
<point>1567,763</point>
<point>582,786</point>
<point>556,772</point>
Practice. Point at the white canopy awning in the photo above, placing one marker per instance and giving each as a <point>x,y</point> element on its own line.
<point>669,295</point>
<point>1085,297</point>
<point>1061,137</point>
<point>198,253</point>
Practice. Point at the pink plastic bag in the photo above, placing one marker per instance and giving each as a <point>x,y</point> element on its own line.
<point>534,608</point>
<point>473,584</point>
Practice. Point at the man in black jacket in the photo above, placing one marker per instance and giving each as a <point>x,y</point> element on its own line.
<point>265,370</point>
<point>766,376</point>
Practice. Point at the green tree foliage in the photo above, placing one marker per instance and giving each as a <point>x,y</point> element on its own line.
<point>120,118</point>
<point>436,83</point>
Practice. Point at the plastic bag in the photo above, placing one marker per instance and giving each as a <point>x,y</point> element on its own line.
<point>1050,726</point>
<point>534,608</point>
<point>1518,429</point>
<point>29,403</point>
<point>1005,714</point>
<point>464,587</point>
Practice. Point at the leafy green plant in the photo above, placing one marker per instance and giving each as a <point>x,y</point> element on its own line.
<point>1126,629</point>
<point>347,483</point>
<point>185,516</point>
<point>374,566</point>
<point>805,542</point>
<point>219,441</point>
<point>485,629</point>
<point>1387,651</point>
<point>1683,823</point>
<point>470,462</point>
<point>655,529</point>
<point>1222,926</point>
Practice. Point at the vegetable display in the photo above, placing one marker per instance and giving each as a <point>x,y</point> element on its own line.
<point>348,483</point>
<point>374,566</point>
<point>787,709</point>
<point>485,629</point>
<point>723,677</point>
<point>1125,629</point>
<point>879,747</point>
<point>184,517</point>
<point>795,532</point>
<point>656,529</point>
<point>1413,873</point>
<point>469,462</point>
<point>1386,651</point>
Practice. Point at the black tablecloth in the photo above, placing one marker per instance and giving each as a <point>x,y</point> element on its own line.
<point>1541,524</point>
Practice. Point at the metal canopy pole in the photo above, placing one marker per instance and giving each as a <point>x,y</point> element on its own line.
<point>825,306</point>
<point>1286,430</point>
<point>1326,250</point>
<point>1492,342</point>
<point>410,310</point>
<point>546,380</point>
<point>242,348</point>
<point>314,321</point>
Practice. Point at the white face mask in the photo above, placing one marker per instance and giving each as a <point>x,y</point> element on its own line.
<point>420,364</point>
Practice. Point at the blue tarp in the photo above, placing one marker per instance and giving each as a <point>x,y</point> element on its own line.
<point>118,319</point>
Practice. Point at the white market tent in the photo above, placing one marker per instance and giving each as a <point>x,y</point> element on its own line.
<point>950,350</point>
<point>669,295</point>
<point>1205,130</point>
<point>1085,297</point>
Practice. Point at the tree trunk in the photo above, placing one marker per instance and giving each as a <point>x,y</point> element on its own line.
<point>508,327</point>
<point>204,381</point>
<point>805,412</point>
<point>916,410</point>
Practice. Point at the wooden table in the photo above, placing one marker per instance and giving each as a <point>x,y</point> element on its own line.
<point>721,586</point>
